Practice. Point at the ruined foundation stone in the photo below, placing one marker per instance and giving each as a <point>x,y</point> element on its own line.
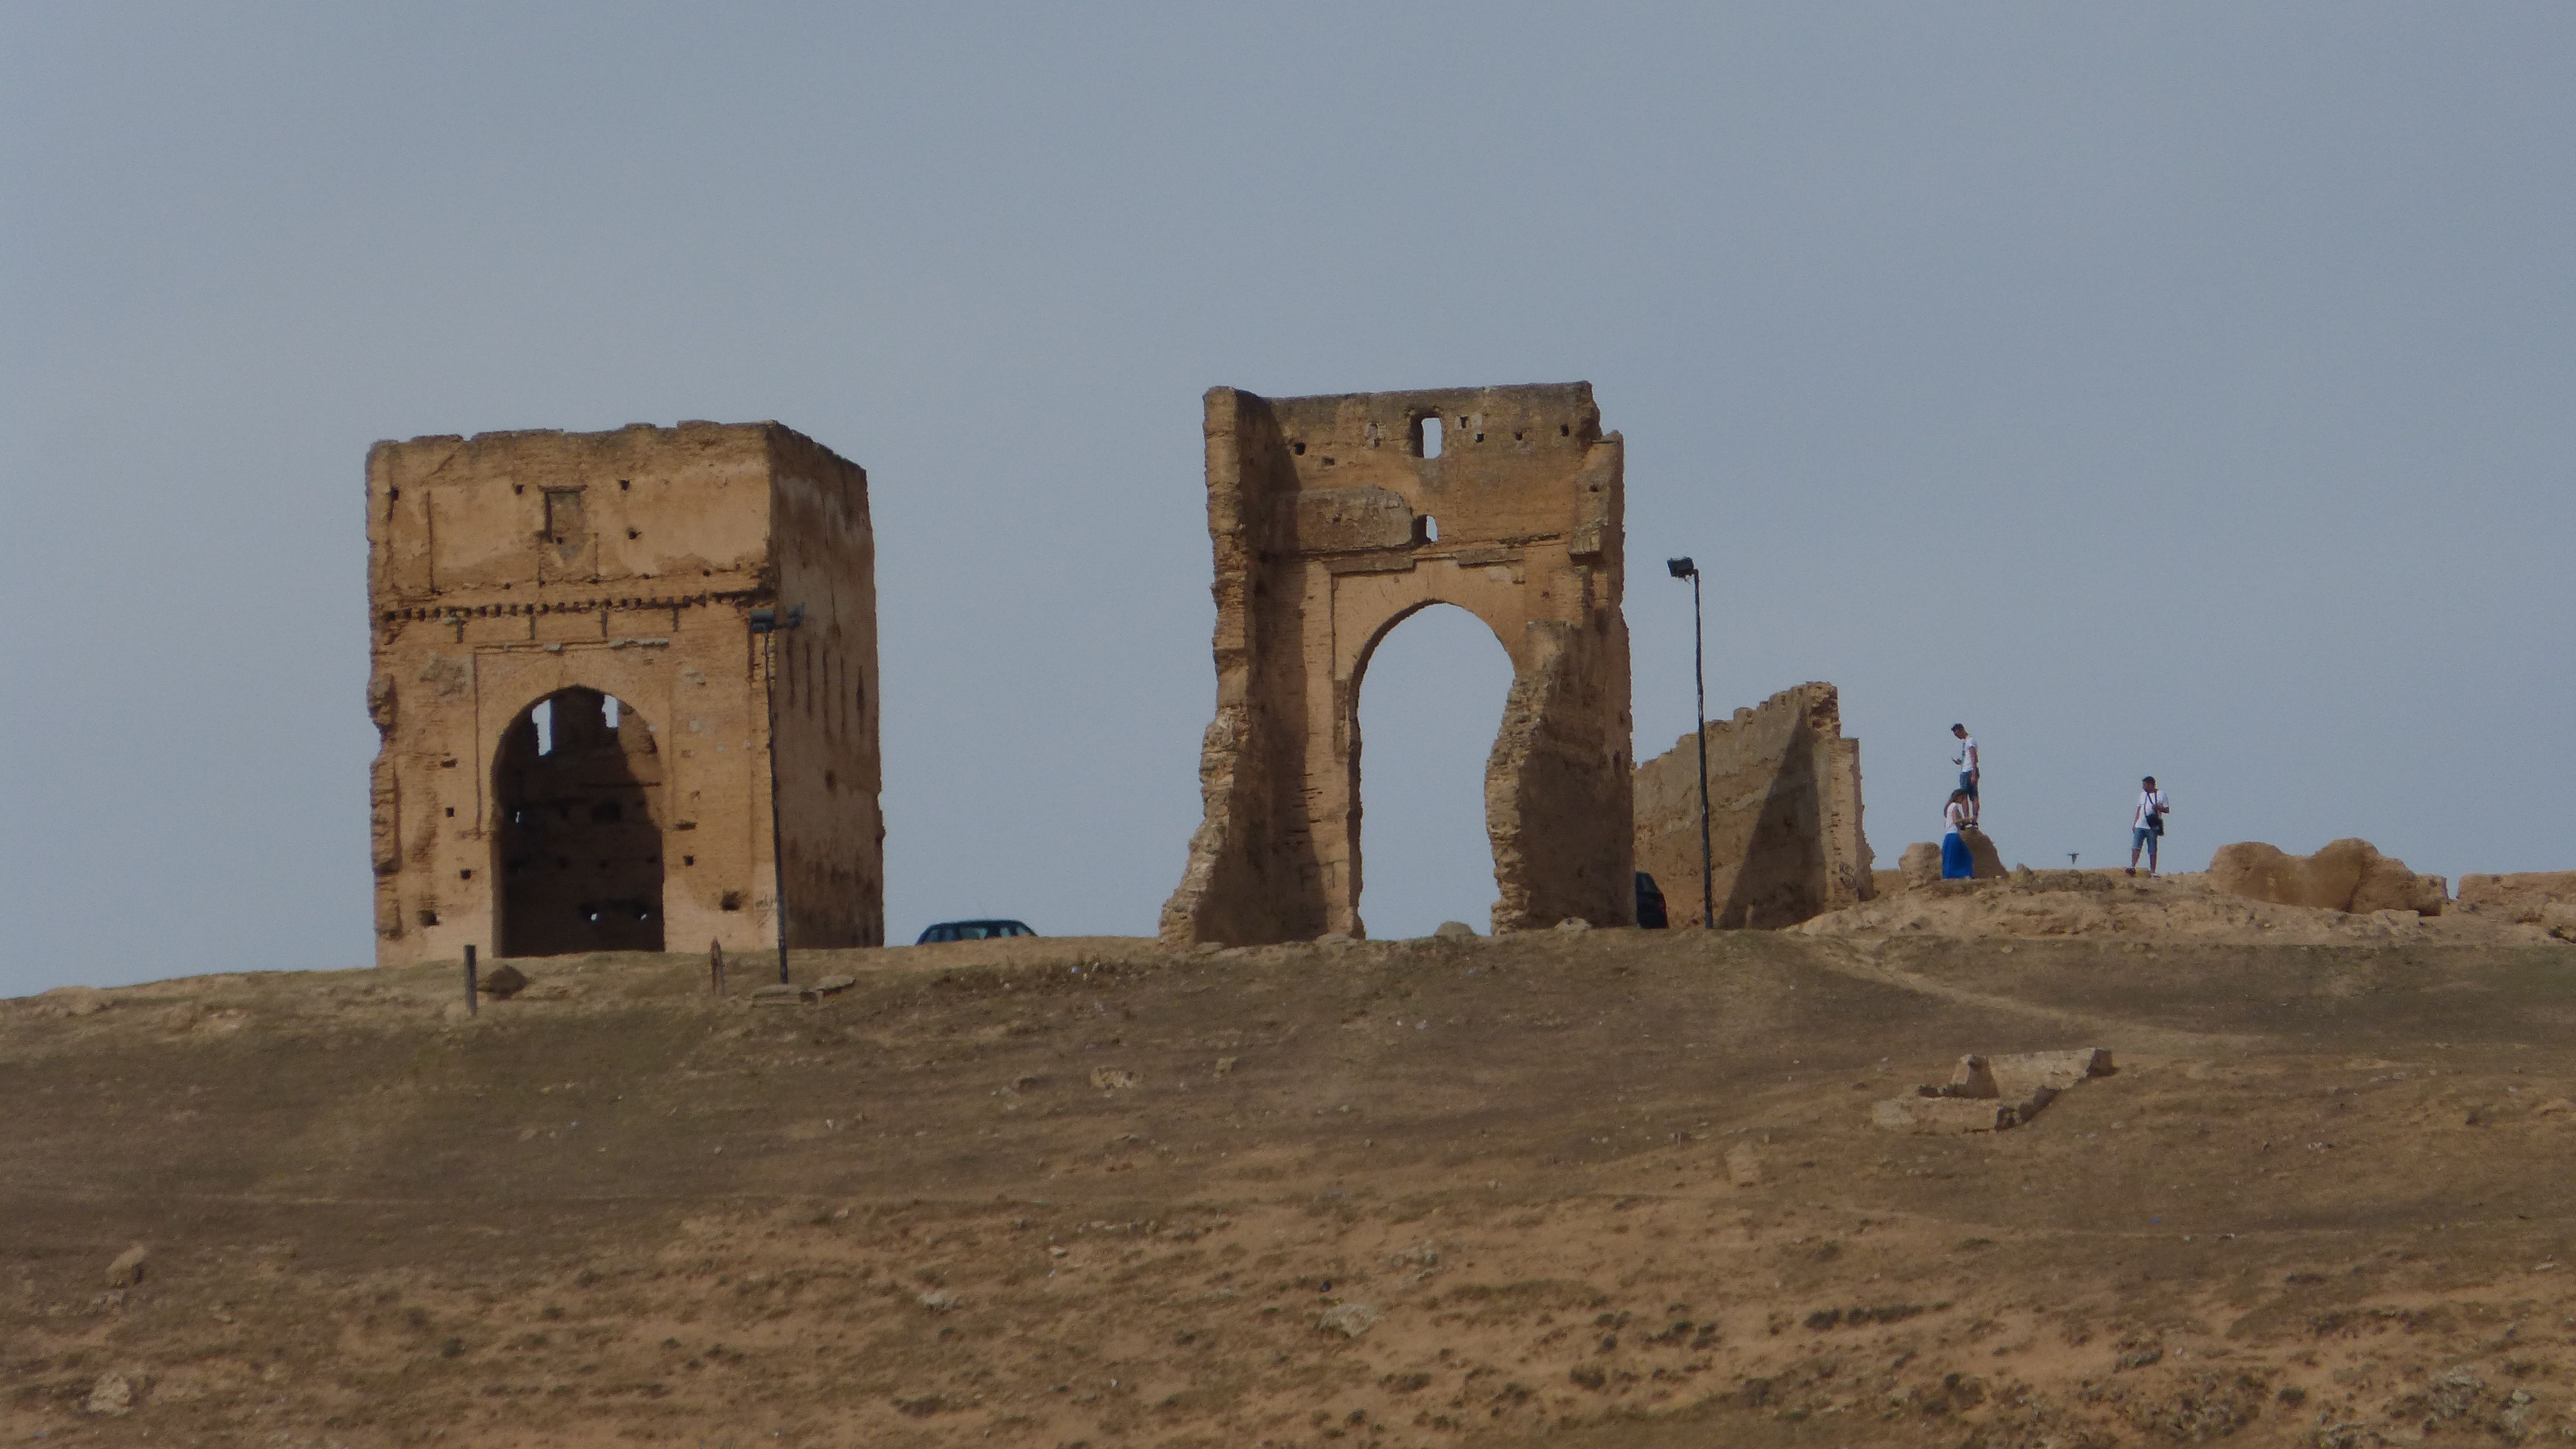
<point>2531,897</point>
<point>571,706</point>
<point>1784,809</point>
<point>1332,521</point>
<point>1920,865</point>
<point>2347,875</point>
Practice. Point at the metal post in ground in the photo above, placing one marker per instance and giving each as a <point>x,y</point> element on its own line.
<point>1683,568</point>
<point>472,1007</point>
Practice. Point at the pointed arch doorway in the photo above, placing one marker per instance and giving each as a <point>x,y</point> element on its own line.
<point>1431,693</point>
<point>577,787</point>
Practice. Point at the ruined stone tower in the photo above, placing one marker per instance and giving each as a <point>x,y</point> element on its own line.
<point>573,710</point>
<point>1335,518</point>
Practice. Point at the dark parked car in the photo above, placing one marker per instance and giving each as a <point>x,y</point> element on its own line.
<point>973,931</point>
<point>1650,904</point>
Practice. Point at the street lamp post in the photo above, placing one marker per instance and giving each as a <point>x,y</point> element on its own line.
<point>766,623</point>
<point>1683,568</point>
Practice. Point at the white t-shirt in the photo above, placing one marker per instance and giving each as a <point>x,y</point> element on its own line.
<point>1967,758</point>
<point>2148,800</point>
<point>1956,815</point>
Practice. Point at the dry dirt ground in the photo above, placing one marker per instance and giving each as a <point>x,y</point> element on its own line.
<point>1608,1188</point>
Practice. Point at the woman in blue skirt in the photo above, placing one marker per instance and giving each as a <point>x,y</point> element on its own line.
<point>1955,863</point>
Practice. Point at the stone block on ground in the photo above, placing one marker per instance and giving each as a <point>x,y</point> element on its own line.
<point>1920,864</point>
<point>1350,1320</point>
<point>112,1395</point>
<point>2019,1074</point>
<point>1744,1165</point>
<point>1454,931</point>
<point>503,982</point>
<point>127,1270</point>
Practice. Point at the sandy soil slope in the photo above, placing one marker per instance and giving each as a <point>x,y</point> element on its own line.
<point>1609,1188</point>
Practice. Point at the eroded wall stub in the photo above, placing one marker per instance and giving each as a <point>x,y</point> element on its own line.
<point>1785,840</point>
<point>514,574</point>
<point>1332,519</point>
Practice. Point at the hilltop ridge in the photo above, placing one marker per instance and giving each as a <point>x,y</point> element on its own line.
<point>1593,1188</point>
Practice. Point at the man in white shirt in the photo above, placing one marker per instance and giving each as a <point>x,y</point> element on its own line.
<point>2147,824</point>
<point>1966,760</point>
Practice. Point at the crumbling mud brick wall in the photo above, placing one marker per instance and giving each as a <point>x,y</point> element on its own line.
<point>2344,875</point>
<point>525,587</point>
<point>1332,522</point>
<point>1784,815</point>
<point>2529,898</point>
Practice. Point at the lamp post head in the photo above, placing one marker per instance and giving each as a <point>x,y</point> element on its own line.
<point>1682,568</point>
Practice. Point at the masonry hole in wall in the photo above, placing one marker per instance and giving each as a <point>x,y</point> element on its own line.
<point>1426,437</point>
<point>577,782</point>
<point>1431,703</point>
<point>1426,529</point>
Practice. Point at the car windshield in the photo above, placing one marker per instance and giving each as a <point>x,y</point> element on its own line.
<point>975,931</point>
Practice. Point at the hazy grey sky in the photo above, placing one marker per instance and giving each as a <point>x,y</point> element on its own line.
<point>2186,389</point>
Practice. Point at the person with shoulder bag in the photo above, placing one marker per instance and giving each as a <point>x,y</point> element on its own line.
<point>2147,824</point>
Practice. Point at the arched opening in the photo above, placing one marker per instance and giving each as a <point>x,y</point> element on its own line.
<point>577,792</point>
<point>1431,702</point>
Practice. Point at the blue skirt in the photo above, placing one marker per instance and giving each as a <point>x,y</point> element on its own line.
<point>1955,861</point>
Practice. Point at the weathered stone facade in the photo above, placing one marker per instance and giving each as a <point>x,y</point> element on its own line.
<point>522,586</point>
<point>1785,838</point>
<point>1333,518</point>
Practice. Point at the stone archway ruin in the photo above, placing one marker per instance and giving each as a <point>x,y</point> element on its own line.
<point>506,569</point>
<point>1335,517</point>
